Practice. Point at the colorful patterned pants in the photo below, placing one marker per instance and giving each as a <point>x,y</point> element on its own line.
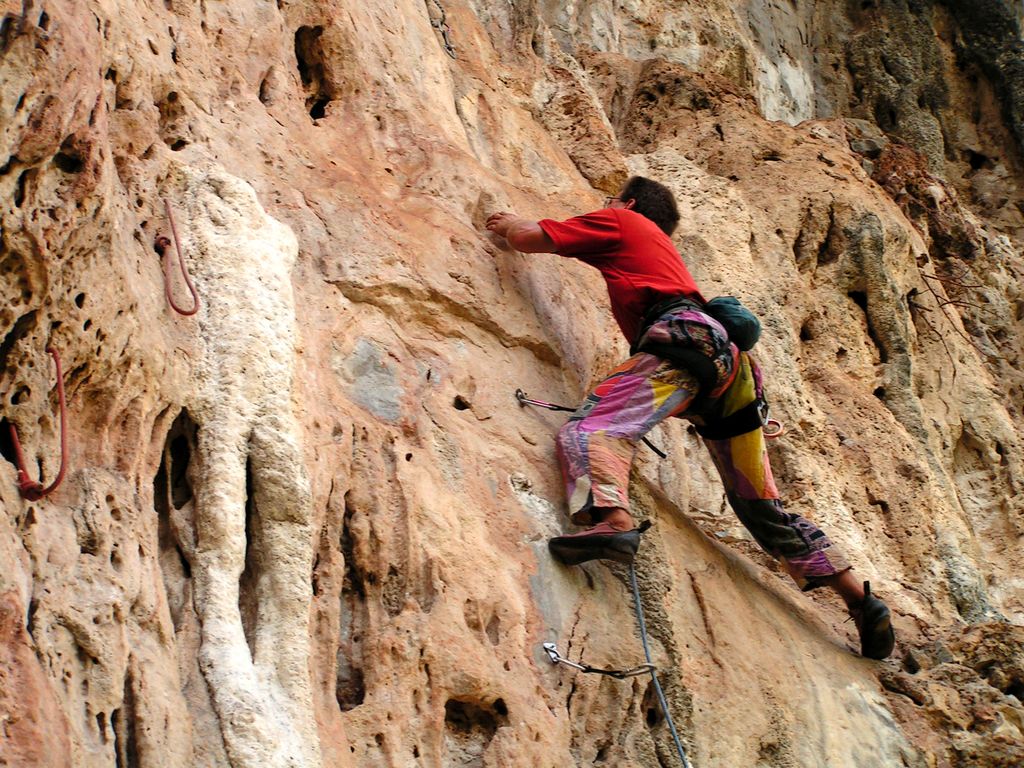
<point>597,445</point>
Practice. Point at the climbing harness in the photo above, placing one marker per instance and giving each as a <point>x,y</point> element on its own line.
<point>622,674</point>
<point>752,416</point>
<point>28,488</point>
<point>757,409</point>
<point>160,245</point>
<point>619,674</point>
<point>441,25</point>
<point>524,401</point>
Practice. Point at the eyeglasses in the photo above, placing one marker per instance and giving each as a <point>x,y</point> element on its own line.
<point>610,199</point>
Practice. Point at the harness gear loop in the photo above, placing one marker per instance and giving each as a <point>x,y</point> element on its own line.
<point>28,488</point>
<point>160,245</point>
<point>763,409</point>
<point>619,674</point>
<point>525,401</point>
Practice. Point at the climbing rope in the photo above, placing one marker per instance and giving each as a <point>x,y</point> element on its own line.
<point>30,489</point>
<point>524,401</point>
<point>441,25</point>
<point>654,676</point>
<point>161,245</point>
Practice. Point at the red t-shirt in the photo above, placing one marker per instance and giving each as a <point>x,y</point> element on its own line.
<point>638,261</point>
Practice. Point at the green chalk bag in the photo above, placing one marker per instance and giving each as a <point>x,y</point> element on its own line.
<point>740,323</point>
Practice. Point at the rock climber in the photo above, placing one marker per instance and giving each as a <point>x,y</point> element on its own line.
<point>683,364</point>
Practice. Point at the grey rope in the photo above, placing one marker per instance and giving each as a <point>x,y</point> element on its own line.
<point>654,675</point>
<point>441,25</point>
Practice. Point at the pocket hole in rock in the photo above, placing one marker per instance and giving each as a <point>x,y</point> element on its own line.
<point>309,57</point>
<point>6,25</point>
<point>469,729</point>
<point>22,327</point>
<point>172,490</point>
<point>651,707</point>
<point>350,688</point>
<point>319,108</point>
<point>6,444</point>
<point>68,162</point>
<point>19,190</point>
<point>493,630</point>
<point>248,595</point>
<point>123,720</point>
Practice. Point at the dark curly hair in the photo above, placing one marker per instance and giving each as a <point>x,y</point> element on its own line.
<point>653,200</point>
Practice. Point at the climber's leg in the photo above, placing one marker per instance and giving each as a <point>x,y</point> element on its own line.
<point>804,550</point>
<point>597,444</point>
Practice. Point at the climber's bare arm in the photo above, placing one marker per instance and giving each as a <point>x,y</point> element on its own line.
<point>522,234</point>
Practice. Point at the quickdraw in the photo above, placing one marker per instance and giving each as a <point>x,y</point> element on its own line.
<point>160,245</point>
<point>524,401</point>
<point>29,489</point>
<point>619,674</point>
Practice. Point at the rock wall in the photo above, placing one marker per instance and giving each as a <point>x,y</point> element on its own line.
<point>307,525</point>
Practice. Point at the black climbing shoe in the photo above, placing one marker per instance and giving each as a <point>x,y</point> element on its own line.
<point>602,542</point>
<point>874,625</point>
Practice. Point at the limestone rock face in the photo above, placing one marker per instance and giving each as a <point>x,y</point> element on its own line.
<point>306,525</point>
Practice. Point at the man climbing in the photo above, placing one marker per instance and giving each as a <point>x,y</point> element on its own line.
<point>683,364</point>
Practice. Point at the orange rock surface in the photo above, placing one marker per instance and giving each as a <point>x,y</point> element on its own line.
<point>307,525</point>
